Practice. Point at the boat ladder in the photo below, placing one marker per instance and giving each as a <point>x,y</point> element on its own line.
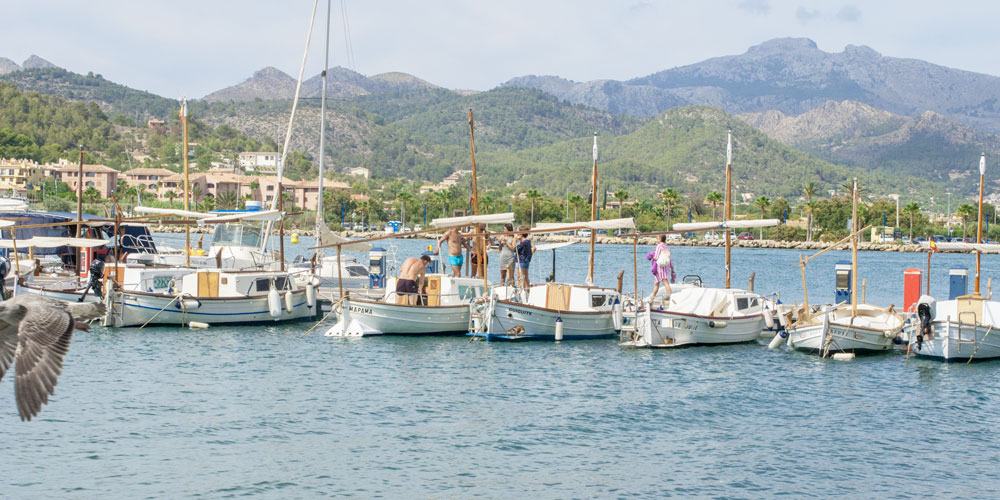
<point>962,315</point>
<point>480,311</point>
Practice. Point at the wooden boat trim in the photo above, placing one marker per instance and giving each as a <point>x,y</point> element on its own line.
<point>539,308</point>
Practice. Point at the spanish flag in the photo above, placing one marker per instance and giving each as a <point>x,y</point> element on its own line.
<point>932,245</point>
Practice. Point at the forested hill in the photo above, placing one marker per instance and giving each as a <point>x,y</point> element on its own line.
<point>113,98</point>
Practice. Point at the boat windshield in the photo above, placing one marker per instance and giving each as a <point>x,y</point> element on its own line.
<point>236,235</point>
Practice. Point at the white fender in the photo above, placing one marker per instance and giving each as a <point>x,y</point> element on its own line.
<point>776,341</point>
<point>273,303</point>
<point>289,301</point>
<point>187,304</point>
<point>559,329</point>
<point>768,318</point>
<point>618,314</point>
<point>717,323</point>
<point>197,324</point>
<point>310,295</point>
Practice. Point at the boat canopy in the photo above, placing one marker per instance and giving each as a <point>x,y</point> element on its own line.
<point>258,215</point>
<point>67,230</point>
<point>965,247</point>
<point>54,242</point>
<point>729,224</point>
<point>173,212</point>
<point>703,301</point>
<point>555,227</point>
<point>474,219</point>
<point>327,237</point>
<point>554,246</point>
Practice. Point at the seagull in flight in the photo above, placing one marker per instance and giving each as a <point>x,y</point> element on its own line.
<point>35,332</point>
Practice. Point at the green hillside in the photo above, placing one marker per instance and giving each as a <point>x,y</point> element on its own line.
<point>113,98</point>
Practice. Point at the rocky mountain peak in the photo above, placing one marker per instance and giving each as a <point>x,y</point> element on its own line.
<point>782,45</point>
<point>7,66</point>
<point>37,62</point>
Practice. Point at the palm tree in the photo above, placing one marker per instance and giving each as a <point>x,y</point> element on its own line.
<point>170,195</point>
<point>533,195</point>
<point>810,190</point>
<point>621,195</point>
<point>965,211</point>
<point>487,202</point>
<point>91,194</point>
<point>714,198</point>
<point>404,197</point>
<point>576,200</point>
<point>227,200</point>
<point>670,198</point>
<point>848,186</point>
<point>442,196</point>
<point>911,208</point>
<point>762,202</point>
<point>195,195</point>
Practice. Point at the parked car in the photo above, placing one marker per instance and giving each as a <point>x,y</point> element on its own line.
<point>583,233</point>
<point>940,238</point>
<point>920,240</point>
<point>674,237</point>
<point>745,235</point>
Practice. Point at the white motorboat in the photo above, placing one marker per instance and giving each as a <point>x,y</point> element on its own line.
<point>178,296</point>
<point>444,310</point>
<point>550,311</point>
<point>966,328</point>
<point>697,315</point>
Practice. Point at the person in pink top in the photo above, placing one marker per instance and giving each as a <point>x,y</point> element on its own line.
<point>663,267</point>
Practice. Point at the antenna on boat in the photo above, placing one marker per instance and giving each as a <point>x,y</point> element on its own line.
<point>729,200</point>
<point>979,232</point>
<point>593,215</point>
<point>320,219</point>
<point>187,182</point>
<point>854,249</point>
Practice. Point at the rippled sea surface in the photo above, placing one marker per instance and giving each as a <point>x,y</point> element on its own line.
<point>237,411</point>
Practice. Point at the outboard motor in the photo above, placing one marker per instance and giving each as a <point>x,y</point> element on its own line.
<point>925,312</point>
<point>96,278</point>
<point>4,271</point>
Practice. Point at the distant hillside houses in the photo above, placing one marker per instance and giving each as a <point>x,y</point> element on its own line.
<point>18,176</point>
<point>259,161</point>
<point>359,172</point>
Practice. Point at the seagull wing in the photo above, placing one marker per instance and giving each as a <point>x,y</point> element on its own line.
<point>10,315</point>
<point>43,339</point>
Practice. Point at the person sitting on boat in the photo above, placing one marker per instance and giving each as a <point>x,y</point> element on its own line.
<point>507,244</point>
<point>524,249</point>
<point>663,267</point>
<point>411,279</point>
<point>456,243</point>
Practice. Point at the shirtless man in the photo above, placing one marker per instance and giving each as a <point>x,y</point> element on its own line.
<point>456,243</point>
<point>411,279</point>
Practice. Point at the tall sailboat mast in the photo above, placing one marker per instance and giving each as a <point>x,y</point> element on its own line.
<point>322,122</point>
<point>481,242</point>
<point>854,250</point>
<point>187,183</point>
<point>729,201</point>
<point>979,231</point>
<point>593,214</point>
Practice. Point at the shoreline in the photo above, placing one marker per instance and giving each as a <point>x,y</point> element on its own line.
<point>614,240</point>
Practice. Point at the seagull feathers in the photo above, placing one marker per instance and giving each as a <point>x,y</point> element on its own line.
<point>35,332</point>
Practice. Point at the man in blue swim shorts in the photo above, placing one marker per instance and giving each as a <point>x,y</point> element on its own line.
<point>456,243</point>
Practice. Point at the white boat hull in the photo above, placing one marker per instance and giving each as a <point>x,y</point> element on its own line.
<point>511,320</point>
<point>67,294</point>
<point>362,318</point>
<point>839,338</point>
<point>954,342</point>
<point>136,309</point>
<point>666,329</point>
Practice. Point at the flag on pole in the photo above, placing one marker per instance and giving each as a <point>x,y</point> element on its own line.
<point>729,150</point>
<point>183,113</point>
<point>932,245</point>
<point>982,164</point>
<point>595,147</point>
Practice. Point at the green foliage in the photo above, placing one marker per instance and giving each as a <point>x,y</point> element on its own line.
<point>787,233</point>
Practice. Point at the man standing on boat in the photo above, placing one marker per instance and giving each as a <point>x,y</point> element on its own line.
<point>411,279</point>
<point>525,249</point>
<point>456,243</point>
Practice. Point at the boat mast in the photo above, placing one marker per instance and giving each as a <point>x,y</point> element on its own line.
<point>187,184</point>
<point>320,219</point>
<point>854,250</point>
<point>729,201</point>
<point>593,214</point>
<point>481,243</point>
<point>979,232</point>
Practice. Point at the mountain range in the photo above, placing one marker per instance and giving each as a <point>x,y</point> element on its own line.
<point>272,83</point>
<point>793,75</point>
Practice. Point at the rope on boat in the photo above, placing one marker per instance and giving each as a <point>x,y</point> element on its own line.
<point>175,299</point>
<point>333,308</point>
<point>974,351</point>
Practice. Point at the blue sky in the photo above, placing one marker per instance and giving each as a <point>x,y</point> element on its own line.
<point>190,48</point>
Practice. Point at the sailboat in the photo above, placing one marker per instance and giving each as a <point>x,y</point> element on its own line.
<point>848,328</point>
<point>695,314</point>
<point>966,328</point>
<point>556,311</point>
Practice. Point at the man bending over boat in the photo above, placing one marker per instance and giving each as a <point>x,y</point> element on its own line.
<point>456,243</point>
<point>411,279</point>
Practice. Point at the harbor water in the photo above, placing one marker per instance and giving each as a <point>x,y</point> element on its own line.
<point>237,411</point>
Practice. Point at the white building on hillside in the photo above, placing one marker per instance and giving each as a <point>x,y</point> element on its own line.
<point>260,161</point>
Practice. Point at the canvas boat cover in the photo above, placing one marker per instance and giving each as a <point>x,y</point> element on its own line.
<point>328,238</point>
<point>474,219</point>
<point>553,246</point>
<point>702,302</point>
<point>729,224</point>
<point>965,247</point>
<point>54,242</point>
<point>257,215</point>
<point>173,212</point>
<point>555,227</point>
